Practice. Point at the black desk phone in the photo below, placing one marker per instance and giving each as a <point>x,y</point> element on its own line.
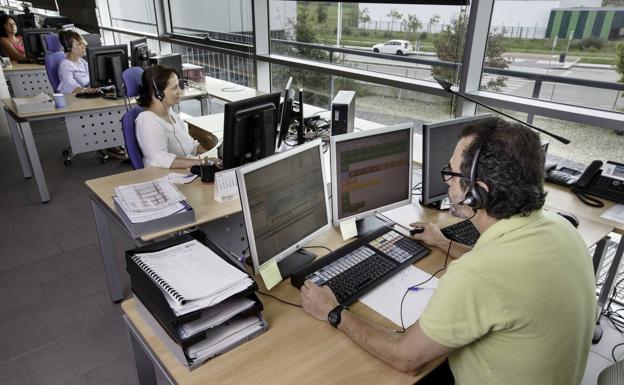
<point>592,182</point>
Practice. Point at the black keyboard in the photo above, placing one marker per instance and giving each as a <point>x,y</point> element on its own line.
<point>360,266</point>
<point>462,232</point>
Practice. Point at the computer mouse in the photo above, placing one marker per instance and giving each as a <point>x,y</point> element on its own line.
<point>570,217</point>
<point>417,230</point>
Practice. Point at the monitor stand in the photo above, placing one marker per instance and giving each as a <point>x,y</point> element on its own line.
<point>295,262</point>
<point>370,224</point>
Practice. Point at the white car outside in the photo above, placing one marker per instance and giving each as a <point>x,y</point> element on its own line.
<point>397,47</point>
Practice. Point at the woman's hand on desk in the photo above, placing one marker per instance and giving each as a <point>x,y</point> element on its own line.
<point>431,234</point>
<point>317,301</point>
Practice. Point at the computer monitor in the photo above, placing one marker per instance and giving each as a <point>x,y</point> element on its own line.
<point>92,39</point>
<point>285,112</point>
<point>34,44</point>
<point>139,53</point>
<point>439,140</point>
<point>56,22</point>
<point>106,65</point>
<point>25,21</point>
<point>249,129</point>
<point>285,205</point>
<point>371,172</point>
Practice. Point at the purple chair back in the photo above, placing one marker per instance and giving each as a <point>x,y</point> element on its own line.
<point>52,42</point>
<point>52,60</point>
<point>132,80</point>
<point>132,146</point>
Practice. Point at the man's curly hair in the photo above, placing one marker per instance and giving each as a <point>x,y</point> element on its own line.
<point>511,164</point>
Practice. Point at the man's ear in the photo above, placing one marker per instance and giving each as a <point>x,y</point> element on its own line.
<point>484,186</point>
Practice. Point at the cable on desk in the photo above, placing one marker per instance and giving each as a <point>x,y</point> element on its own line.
<point>279,299</point>
<point>613,351</point>
<point>317,247</point>
<point>236,88</point>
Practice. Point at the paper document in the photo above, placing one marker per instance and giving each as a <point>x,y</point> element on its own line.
<point>386,299</point>
<point>216,315</point>
<point>147,196</point>
<point>191,272</point>
<point>145,216</point>
<point>615,214</point>
<point>222,337</point>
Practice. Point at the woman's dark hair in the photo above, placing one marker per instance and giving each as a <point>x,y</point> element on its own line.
<point>155,75</point>
<point>4,18</point>
<point>511,164</point>
<point>67,39</point>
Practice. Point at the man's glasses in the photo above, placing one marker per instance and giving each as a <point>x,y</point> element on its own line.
<point>447,174</point>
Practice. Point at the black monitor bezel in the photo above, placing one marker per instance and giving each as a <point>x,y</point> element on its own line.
<point>94,52</point>
<point>27,40</point>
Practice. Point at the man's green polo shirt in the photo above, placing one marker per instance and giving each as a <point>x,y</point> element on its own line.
<point>520,307</point>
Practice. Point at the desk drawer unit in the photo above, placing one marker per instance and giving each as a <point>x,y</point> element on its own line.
<point>28,83</point>
<point>95,130</point>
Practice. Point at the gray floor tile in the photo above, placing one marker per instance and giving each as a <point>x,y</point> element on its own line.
<point>72,237</point>
<point>12,373</point>
<point>119,371</point>
<point>77,285</point>
<point>20,252</point>
<point>595,364</point>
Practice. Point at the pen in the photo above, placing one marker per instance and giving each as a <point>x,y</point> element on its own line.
<point>414,288</point>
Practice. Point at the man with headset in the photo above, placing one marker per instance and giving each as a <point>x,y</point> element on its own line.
<point>520,307</point>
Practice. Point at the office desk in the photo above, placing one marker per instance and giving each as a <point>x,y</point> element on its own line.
<point>92,124</point>
<point>295,349</point>
<point>101,190</point>
<point>27,79</point>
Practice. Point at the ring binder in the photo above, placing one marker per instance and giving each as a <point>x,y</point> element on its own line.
<point>158,279</point>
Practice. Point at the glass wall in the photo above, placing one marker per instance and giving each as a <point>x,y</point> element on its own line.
<point>376,103</point>
<point>136,15</point>
<point>397,39</point>
<point>557,54</point>
<point>229,20</point>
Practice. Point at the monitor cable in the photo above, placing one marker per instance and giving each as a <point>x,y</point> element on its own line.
<point>279,299</point>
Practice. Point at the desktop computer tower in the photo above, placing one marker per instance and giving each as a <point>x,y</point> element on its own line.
<point>343,112</point>
<point>171,60</point>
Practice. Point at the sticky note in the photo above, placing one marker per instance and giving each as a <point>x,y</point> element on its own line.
<point>348,229</point>
<point>270,274</point>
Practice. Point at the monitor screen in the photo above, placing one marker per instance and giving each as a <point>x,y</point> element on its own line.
<point>371,171</point>
<point>439,140</point>
<point>284,202</point>
<point>249,129</point>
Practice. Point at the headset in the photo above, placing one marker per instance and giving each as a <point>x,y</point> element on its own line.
<point>477,197</point>
<point>160,95</point>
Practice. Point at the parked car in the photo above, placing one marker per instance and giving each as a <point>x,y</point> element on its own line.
<point>398,47</point>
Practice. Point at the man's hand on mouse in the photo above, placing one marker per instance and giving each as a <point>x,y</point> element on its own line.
<point>430,234</point>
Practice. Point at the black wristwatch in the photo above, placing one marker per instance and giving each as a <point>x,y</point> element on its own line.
<point>334,316</point>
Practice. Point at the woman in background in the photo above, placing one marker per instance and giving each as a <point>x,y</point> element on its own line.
<point>12,45</point>
<point>162,136</point>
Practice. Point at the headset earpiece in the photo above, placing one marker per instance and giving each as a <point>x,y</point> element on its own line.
<point>160,95</point>
<point>477,196</point>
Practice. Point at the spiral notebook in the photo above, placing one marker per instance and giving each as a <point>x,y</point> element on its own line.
<point>192,276</point>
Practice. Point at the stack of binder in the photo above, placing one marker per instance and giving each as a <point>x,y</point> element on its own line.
<point>198,299</point>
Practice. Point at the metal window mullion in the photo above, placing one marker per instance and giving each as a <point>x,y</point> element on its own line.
<point>261,29</point>
<point>474,53</point>
<point>162,15</point>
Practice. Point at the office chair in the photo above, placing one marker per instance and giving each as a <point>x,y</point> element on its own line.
<point>52,61</point>
<point>52,42</point>
<point>132,146</point>
<point>132,81</point>
<point>612,375</point>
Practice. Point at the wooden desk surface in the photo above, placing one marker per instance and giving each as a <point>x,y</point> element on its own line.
<point>199,195</point>
<point>17,67</point>
<point>295,349</point>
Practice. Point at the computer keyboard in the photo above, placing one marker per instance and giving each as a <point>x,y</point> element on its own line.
<point>360,266</point>
<point>462,232</point>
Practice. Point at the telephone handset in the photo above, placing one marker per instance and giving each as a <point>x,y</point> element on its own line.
<point>583,185</point>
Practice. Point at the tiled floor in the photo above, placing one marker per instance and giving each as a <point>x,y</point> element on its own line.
<point>57,324</point>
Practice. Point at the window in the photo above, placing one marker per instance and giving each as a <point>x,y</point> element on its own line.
<point>132,15</point>
<point>229,20</point>
<point>363,31</point>
<point>564,55</point>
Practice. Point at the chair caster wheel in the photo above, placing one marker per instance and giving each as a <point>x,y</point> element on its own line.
<point>65,152</point>
<point>67,162</point>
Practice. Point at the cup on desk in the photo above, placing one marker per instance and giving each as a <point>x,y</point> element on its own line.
<point>60,101</point>
<point>207,171</point>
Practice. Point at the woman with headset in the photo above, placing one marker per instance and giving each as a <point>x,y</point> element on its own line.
<point>12,45</point>
<point>162,136</point>
<point>73,71</point>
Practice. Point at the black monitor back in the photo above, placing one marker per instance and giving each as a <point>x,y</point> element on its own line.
<point>250,127</point>
<point>106,65</point>
<point>25,21</point>
<point>56,22</point>
<point>139,53</point>
<point>34,45</point>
